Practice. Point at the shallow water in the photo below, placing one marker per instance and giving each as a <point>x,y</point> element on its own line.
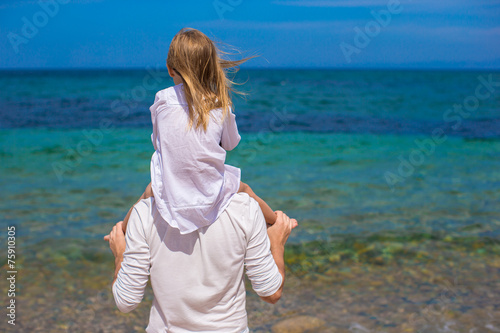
<point>385,226</point>
<point>333,183</point>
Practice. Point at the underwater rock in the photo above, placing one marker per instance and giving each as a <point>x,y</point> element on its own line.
<point>298,324</point>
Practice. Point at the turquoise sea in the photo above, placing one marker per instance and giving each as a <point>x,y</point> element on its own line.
<point>394,177</point>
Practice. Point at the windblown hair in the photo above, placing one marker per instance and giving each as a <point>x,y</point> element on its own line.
<point>198,61</point>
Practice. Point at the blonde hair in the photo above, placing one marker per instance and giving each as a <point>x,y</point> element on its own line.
<point>197,60</point>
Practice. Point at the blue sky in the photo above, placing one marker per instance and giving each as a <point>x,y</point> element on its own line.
<point>295,33</point>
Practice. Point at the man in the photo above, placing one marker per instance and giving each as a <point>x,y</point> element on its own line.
<point>197,278</point>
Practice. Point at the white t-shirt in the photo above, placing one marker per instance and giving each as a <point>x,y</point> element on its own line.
<point>197,278</point>
<point>190,181</point>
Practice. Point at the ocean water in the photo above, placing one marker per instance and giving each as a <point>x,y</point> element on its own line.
<point>330,147</point>
<point>357,157</point>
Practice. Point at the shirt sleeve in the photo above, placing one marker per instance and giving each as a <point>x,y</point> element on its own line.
<point>261,268</point>
<point>230,136</point>
<point>153,109</point>
<point>128,289</point>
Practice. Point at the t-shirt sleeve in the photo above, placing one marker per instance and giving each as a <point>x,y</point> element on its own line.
<point>261,268</point>
<point>230,136</point>
<point>128,289</point>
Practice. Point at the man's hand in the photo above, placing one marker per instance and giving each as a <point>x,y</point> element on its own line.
<point>116,239</point>
<point>278,232</point>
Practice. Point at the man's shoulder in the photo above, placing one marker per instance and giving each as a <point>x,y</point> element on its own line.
<point>144,209</point>
<point>141,219</point>
<point>244,208</point>
<point>144,203</point>
<point>241,200</point>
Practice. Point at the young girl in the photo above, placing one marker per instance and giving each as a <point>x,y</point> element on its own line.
<point>193,127</point>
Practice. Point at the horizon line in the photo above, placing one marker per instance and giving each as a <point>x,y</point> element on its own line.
<point>305,68</point>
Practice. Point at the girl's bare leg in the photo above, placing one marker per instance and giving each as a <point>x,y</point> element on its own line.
<point>269,214</point>
<point>148,193</point>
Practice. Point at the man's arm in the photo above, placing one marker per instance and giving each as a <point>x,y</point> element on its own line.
<point>117,244</point>
<point>264,260</point>
<point>132,261</point>
<point>118,266</point>
<point>278,235</point>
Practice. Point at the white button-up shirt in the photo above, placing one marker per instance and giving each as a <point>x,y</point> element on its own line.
<point>191,184</point>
